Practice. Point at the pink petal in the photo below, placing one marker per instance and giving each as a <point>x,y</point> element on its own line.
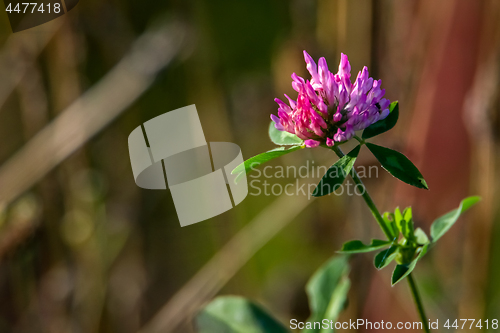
<point>311,143</point>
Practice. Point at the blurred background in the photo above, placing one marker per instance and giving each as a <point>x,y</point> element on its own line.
<point>83,249</point>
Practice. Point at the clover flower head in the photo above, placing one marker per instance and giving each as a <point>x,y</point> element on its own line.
<point>329,107</point>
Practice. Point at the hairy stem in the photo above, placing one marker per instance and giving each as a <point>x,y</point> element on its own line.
<point>388,234</point>
<point>367,197</point>
<point>418,303</point>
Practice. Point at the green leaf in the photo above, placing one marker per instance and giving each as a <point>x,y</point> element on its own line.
<point>384,258</point>
<point>327,291</point>
<point>398,218</point>
<point>421,237</point>
<point>442,224</point>
<point>391,224</point>
<point>402,271</point>
<point>407,214</point>
<point>283,138</point>
<point>231,314</point>
<point>408,229</point>
<point>357,246</point>
<point>337,173</point>
<point>398,165</point>
<point>383,125</point>
<point>256,161</point>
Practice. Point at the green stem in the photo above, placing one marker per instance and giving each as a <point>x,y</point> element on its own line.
<point>388,234</point>
<point>367,198</point>
<point>418,303</point>
<point>359,139</point>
